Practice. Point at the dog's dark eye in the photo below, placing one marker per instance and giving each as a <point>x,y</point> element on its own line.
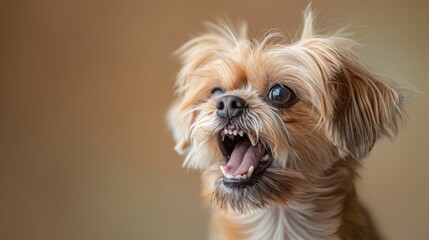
<point>281,96</point>
<point>217,90</point>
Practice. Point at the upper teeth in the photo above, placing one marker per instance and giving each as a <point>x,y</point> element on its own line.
<point>251,138</point>
<point>232,132</point>
<point>238,177</point>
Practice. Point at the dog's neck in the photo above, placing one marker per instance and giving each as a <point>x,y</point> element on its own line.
<point>320,213</point>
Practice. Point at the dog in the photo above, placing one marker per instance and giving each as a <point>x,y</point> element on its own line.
<point>278,129</point>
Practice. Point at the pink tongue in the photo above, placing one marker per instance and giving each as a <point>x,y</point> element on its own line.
<point>243,157</point>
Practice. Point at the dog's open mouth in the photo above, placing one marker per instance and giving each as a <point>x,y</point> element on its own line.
<point>245,156</point>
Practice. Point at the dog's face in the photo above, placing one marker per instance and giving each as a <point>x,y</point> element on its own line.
<point>259,117</point>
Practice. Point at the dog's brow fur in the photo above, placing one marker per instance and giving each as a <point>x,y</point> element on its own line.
<point>342,110</point>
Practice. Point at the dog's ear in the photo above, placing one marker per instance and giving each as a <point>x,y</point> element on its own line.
<point>179,124</point>
<point>362,107</point>
<point>366,108</point>
<point>193,81</point>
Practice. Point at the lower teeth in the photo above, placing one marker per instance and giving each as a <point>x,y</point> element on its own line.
<point>238,177</point>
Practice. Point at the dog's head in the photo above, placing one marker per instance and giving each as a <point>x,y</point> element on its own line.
<point>260,115</point>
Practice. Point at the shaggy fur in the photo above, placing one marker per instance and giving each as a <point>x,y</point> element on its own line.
<point>316,144</point>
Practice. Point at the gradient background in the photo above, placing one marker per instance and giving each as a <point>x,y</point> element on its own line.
<point>84,86</point>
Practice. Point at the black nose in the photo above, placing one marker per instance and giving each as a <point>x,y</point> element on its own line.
<point>230,106</point>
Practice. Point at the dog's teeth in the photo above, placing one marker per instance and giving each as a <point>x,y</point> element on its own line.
<point>249,173</point>
<point>244,176</point>
<point>265,157</point>
<point>237,177</point>
<point>230,132</point>
<point>223,137</point>
<point>234,132</point>
<point>222,170</point>
<point>229,176</point>
<point>251,138</point>
<point>241,133</point>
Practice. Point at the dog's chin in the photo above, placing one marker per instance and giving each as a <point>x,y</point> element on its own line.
<point>250,179</point>
<point>271,186</point>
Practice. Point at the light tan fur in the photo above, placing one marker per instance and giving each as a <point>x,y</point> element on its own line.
<point>317,144</point>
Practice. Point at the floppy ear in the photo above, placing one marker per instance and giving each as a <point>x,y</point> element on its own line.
<point>190,86</point>
<point>366,108</point>
<point>179,124</point>
<point>363,106</point>
<point>193,56</point>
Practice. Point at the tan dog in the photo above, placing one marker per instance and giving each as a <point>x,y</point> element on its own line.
<point>278,130</point>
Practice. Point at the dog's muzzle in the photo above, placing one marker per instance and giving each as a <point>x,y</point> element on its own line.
<point>246,157</point>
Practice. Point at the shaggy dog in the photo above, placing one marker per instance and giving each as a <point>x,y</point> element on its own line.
<point>279,128</point>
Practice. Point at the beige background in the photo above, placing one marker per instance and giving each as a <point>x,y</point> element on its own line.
<point>84,86</point>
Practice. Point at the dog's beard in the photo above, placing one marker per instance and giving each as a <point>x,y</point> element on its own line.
<point>274,185</point>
